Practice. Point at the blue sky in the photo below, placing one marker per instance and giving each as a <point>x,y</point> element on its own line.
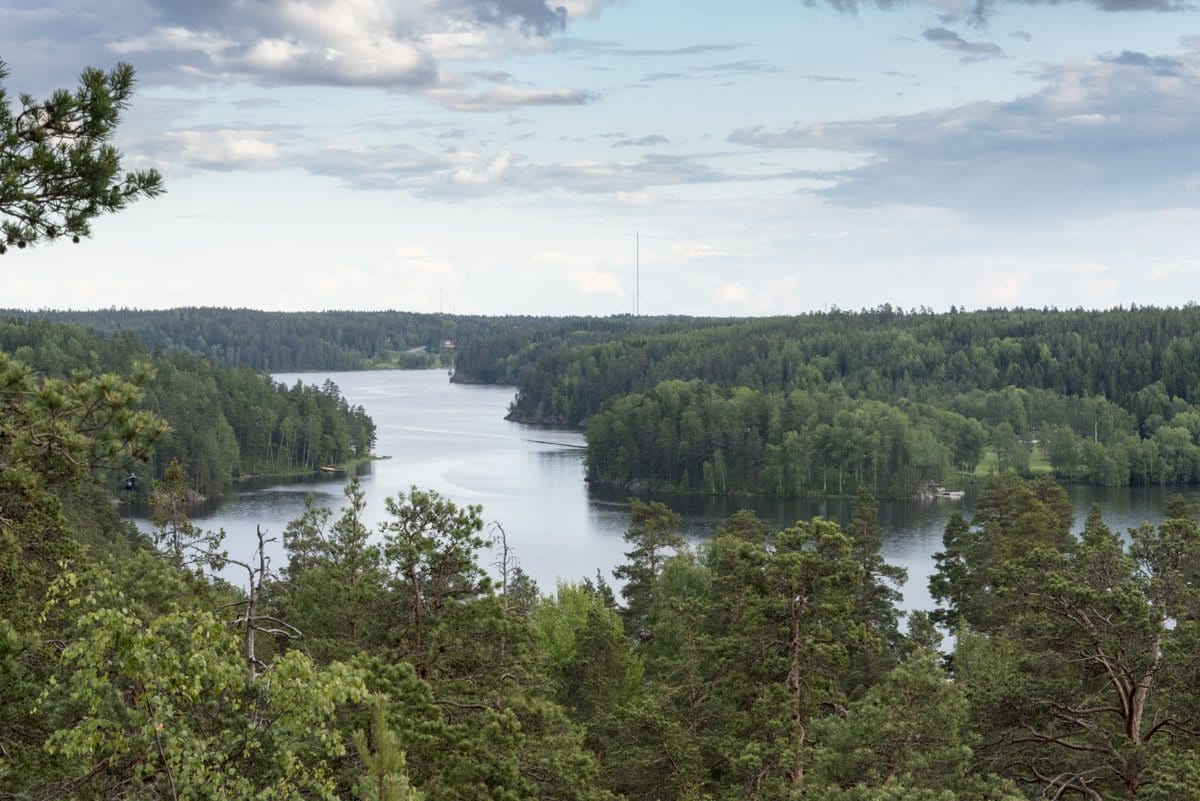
<point>497,156</point>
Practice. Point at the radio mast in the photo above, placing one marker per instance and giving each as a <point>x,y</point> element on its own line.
<point>637,273</point>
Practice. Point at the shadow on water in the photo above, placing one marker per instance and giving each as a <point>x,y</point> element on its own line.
<point>453,438</point>
<point>298,486</point>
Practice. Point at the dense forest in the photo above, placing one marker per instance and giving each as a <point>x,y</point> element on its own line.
<point>693,437</point>
<point>388,664</point>
<point>1143,359</point>
<point>1104,397</point>
<point>223,422</point>
<point>765,664</point>
<point>909,400</point>
<point>485,350</point>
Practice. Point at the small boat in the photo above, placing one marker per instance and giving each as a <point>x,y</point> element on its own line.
<point>949,495</point>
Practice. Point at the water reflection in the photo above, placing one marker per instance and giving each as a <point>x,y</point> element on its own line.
<point>453,438</point>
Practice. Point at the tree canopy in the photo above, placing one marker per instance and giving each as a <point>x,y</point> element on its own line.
<point>58,167</point>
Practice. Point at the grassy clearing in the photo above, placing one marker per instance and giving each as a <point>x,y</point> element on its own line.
<point>1039,465</point>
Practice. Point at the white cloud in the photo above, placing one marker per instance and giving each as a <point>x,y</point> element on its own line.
<point>596,282</point>
<point>487,173</point>
<point>1104,133</point>
<point>636,199</point>
<point>410,277</point>
<point>221,149</point>
<point>696,250</point>
<point>504,98</point>
<point>173,38</point>
<point>733,293</point>
<point>1175,268</point>
<point>1003,284</point>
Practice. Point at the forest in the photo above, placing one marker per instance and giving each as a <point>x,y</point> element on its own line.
<point>1104,397</point>
<point>221,423</point>
<point>388,663</point>
<point>485,350</point>
<point>908,399</point>
<point>912,399</point>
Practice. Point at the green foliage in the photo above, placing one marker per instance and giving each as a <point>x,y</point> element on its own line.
<point>183,541</point>
<point>164,704</point>
<point>1110,393</point>
<point>53,433</point>
<point>430,547</point>
<point>1013,519</point>
<point>587,654</point>
<point>1077,655</point>
<point>224,423</point>
<point>334,587</point>
<point>760,665</point>
<point>385,779</point>
<point>1025,366</point>
<point>486,350</point>
<point>653,535</point>
<point>912,730</point>
<point>58,168</point>
<point>692,437</point>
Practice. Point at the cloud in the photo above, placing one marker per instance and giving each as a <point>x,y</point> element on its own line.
<point>653,140</point>
<point>532,16</point>
<point>1003,283</point>
<point>743,66</point>
<point>1024,36</point>
<point>375,61</point>
<point>664,76</point>
<point>696,250</point>
<point>971,51</point>
<point>215,149</point>
<point>494,76</point>
<point>1102,134</point>
<point>596,282</point>
<point>979,10</point>
<point>1160,65</point>
<point>401,46</point>
<point>409,277</point>
<point>505,98</point>
<point>609,48</point>
<point>733,293</point>
<point>175,39</point>
<point>1184,267</point>
<point>635,199</point>
<point>489,172</point>
<point>828,78</point>
<point>465,173</point>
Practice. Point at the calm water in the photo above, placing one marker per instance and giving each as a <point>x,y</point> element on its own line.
<point>452,438</point>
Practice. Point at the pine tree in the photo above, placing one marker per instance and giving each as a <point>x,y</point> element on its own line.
<point>58,168</point>
<point>385,779</point>
<point>654,535</point>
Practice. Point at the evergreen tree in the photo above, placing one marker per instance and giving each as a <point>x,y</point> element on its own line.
<point>653,535</point>
<point>385,778</point>
<point>58,168</point>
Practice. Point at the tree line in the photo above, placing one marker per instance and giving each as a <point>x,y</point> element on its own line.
<point>1142,359</point>
<point>482,350</point>
<point>223,422</point>
<point>692,437</point>
<point>1102,397</point>
<point>387,663</point>
<point>697,438</point>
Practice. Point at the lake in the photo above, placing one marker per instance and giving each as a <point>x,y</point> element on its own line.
<point>453,438</point>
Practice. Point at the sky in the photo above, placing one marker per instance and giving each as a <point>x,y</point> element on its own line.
<point>523,157</point>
